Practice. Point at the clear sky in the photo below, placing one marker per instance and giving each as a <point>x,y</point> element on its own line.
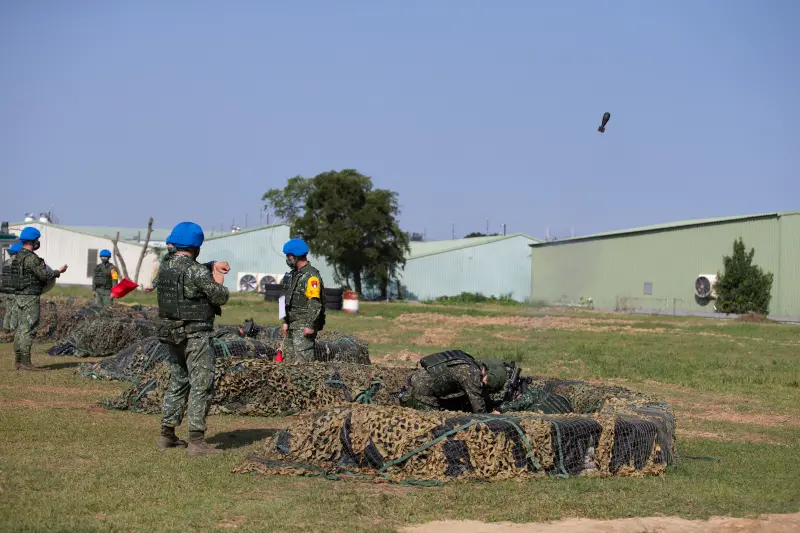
<point>470,110</point>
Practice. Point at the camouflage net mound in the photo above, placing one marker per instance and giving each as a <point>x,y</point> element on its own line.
<point>61,317</point>
<point>101,337</point>
<point>137,361</point>
<point>261,387</point>
<point>627,435</point>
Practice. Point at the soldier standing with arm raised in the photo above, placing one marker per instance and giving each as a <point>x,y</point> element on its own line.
<point>304,293</point>
<point>189,296</point>
<point>29,276</point>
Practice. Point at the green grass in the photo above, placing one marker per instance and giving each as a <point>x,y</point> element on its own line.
<point>66,466</point>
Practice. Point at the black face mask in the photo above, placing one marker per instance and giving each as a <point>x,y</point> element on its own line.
<point>104,259</point>
<point>36,245</point>
<point>291,264</point>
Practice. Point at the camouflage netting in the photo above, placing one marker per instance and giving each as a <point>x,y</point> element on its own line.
<point>134,362</point>
<point>61,317</point>
<point>101,337</point>
<point>261,387</point>
<point>628,435</point>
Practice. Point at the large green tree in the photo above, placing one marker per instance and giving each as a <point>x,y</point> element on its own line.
<point>743,287</point>
<point>346,221</point>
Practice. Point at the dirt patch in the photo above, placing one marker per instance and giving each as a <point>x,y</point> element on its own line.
<point>435,337</point>
<point>375,338</point>
<point>774,523</point>
<point>744,438</point>
<point>45,404</point>
<point>403,355</point>
<point>512,338</point>
<point>57,390</point>
<point>723,414</point>
<point>539,322</point>
<point>232,523</point>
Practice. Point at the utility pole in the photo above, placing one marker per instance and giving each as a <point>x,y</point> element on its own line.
<point>504,229</point>
<point>487,226</point>
<point>454,231</point>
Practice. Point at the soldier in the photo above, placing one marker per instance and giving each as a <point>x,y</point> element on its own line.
<point>304,295</point>
<point>189,296</point>
<point>28,276</point>
<point>105,277</point>
<point>454,381</point>
<point>8,290</point>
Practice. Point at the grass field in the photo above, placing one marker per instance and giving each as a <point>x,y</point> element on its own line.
<point>735,388</point>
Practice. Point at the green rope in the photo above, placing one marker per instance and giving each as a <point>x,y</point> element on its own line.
<point>365,397</point>
<point>224,346</point>
<point>144,390</point>
<point>560,450</point>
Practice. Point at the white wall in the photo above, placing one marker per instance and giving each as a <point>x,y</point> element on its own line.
<point>64,247</point>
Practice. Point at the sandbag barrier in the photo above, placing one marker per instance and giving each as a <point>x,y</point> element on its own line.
<point>261,387</point>
<point>397,444</point>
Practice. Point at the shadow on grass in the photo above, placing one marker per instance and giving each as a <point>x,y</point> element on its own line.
<point>243,437</point>
<point>60,366</point>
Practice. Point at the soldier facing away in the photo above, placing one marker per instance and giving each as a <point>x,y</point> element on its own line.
<point>454,381</point>
<point>8,290</point>
<point>189,296</point>
<point>106,276</point>
<point>304,295</point>
<point>28,277</point>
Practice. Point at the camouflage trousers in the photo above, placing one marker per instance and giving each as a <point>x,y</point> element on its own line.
<point>9,323</point>
<point>191,382</point>
<point>26,316</point>
<point>299,347</point>
<point>102,297</point>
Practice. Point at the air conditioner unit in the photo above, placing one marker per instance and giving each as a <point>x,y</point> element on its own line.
<point>268,279</point>
<point>704,286</point>
<point>247,281</point>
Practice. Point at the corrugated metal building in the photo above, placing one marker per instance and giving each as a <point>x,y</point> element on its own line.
<point>654,268</point>
<point>63,245</point>
<point>489,265</point>
<point>492,266</point>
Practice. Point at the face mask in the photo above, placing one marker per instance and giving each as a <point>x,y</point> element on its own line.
<point>104,259</point>
<point>291,264</point>
<point>36,245</point>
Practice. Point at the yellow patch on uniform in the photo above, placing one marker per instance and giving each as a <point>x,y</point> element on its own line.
<point>312,287</point>
<point>114,274</point>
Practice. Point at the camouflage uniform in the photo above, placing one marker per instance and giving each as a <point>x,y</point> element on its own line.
<point>188,299</point>
<point>449,380</point>
<point>305,308</point>
<point>537,399</point>
<point>105,277</point>
<point>8,296</point>
<point>29,276</point>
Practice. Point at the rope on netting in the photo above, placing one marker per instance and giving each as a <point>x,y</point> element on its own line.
<point>560,447</point>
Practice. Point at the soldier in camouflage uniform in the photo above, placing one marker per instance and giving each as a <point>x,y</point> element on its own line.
<point>8,290</point>
<point>454,381</point>
<point>28,276</point>
<point>304,295</point>
<point>189,296</point>
<point>105,277</point>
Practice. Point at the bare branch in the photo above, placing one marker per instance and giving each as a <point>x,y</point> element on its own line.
<point>118,257</point>
<point>144,250</point>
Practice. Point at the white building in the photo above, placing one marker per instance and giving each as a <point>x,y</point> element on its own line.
<point>79,248</point>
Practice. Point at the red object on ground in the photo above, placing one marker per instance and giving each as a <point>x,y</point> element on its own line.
<point>122,288</point>
<point>279,357</point>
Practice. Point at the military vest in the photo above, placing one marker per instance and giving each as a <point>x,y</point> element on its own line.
<point>294,287</point>
<point>439,363</point>
<point>102,276</point>
<point>23,280</point>
<point>5,282</point>
<point>172,304</point>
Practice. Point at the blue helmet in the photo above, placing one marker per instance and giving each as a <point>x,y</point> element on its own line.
<point>295,247</point>
<point>29,234</point>
<point>105,253</point>
<point>186,235</point>
<point>14,248</point>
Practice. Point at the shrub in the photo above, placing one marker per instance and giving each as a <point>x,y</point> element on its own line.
<point>743,287</point>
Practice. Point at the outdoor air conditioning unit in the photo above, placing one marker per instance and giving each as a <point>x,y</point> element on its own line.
<point>267,279</point>
<point>704,286</point>
<point>247,281</point>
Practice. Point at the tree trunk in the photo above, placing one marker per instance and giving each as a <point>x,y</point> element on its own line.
<point>384,289</point>
<point>357,281</point>
<point>118,257</point>
<point>399,290</point>
<point>144,250</point>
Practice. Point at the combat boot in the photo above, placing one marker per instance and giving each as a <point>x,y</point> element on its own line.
<point>27,366</point>
<point>198,445</point>
<point>168,439</point>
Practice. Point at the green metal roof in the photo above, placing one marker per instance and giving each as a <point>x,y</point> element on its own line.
<point>426,248</point>
<point>125,234</point>
<point>240,232</point>
<point>667,226</point>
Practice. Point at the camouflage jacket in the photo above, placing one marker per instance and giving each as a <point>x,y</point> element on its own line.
<point>454,385</point>
<point>32,266</point>
<point>305,299</point>
<point>105,276</point>
<point>534,399</point>
<point>198,282</point>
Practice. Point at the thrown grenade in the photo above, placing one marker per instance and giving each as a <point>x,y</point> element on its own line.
<point>602,127</point>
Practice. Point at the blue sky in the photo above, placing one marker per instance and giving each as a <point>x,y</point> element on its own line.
<point>469,110</point>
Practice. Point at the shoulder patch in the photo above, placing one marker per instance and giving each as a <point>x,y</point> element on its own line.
<point>312,287</point>
<point>114,274</point>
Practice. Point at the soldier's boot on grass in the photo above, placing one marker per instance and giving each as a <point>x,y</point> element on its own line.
<point>198,445</point>
<point>168,439</point>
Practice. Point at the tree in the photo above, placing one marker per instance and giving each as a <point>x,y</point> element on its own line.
<point>743,287</point>
<point>346,221</point>
<point>416,237</point>
<point>479,234</point>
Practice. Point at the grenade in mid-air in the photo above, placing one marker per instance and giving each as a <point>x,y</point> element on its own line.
<point>602,127</point>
